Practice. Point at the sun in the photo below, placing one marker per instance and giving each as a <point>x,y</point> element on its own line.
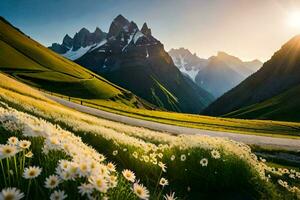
<point>294,19</point>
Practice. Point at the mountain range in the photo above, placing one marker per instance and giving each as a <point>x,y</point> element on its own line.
<point>135,60</point>
<point>217,74</point>
<point>36,65</point>
<point>273,92</point>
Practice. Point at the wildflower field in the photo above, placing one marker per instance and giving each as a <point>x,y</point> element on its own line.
<point>49,151</point>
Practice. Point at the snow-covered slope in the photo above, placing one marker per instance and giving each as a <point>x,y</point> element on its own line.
<point>75,54</point>
<point>187,62</point>
<point>82,42</point>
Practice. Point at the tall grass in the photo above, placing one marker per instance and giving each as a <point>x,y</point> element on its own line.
<point>195,166</point>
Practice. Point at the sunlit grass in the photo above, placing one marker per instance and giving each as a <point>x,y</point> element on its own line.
<point>255,127</point>
<point>195,166</point>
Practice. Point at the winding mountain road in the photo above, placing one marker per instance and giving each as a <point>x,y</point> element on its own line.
<point>285,143</point>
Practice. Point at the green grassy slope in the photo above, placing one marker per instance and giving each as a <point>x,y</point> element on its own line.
<point>270,93</point>
<point>284,106</point>
<point>231,172</point>
<point>36,65</point>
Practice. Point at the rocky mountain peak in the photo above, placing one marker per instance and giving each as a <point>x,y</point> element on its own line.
<point>120,19</point>
<point>83,31</point>
<point>82,38</point>
<point>145,30</point>
<point>118,25</point>
<point>228,58</point>
<point>224,55</point>
<point>67,41</point>
<point>133,27</point>
<point>98,30</point>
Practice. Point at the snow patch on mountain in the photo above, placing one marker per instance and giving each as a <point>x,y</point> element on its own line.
<point>137,36</point>
<point>191,73</point>
<point>103,42</point>
<point>73,55</point>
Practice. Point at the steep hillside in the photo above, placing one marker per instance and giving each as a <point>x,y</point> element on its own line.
<point>217,74</point>
<point>134,59</point>
<point>30,62</point>
<point>284,107</point>
<point>278,76</point>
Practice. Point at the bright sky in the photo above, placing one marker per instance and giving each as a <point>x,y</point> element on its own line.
<point>248,29</point>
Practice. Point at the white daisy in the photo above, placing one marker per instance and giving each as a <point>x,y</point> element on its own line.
<point>32,172</point>
<point>11,194</point>
<point>172,157</point>
<point>135,154</point>
<point>52,181</point>
<point>29,154</point>
<point>129,175</point>
<point>83,169</point>
<point>115,152</point>
<point>215,154</point>
<point>58,195</point>
<point>183,157</point>
<point>160,155</point>
<point>204,162</point>
<point>112,181</point>
<point>24,144</point>
<point>13,140</point>
<point>85,189</point>
<point>111,167</point>
<point>163,182</point>
<point>141,191</point>
<point>162,166</point>
<point>99,183</point>
<point>170,196</point>
<point>7,150</point>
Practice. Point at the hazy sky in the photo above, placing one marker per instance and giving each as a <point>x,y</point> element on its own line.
<point>245,28</point>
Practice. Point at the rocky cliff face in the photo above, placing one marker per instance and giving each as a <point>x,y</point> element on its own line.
<point>81,39</point>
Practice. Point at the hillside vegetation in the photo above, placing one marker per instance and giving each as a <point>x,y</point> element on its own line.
<point>284,106</point>
<point>38,66</point>
<point>194,166</point>
<point>243,126</point>
<point>270,93</point>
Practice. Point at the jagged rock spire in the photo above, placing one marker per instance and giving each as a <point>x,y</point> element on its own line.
<point>145,30</point>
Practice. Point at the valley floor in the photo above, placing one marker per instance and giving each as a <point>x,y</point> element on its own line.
<point>283,143</point>
<point>268,128</point>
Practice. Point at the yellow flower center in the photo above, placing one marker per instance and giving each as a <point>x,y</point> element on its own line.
<point>52,182</point>
<point>9,197</point>
<point>139,191</point>
<point>32,173</point>
<point>8,151</point>
<point>99,183</point>
<point>84,167</point>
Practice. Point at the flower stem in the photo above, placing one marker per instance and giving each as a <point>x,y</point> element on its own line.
<point>157,184</point>
<point>16,168</point>
<point>3,172</point>
<point>28,189</point>
<point>23,161</point>
<point>8,173</point>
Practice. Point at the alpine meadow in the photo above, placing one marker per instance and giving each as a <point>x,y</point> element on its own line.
<point>149,106</point>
